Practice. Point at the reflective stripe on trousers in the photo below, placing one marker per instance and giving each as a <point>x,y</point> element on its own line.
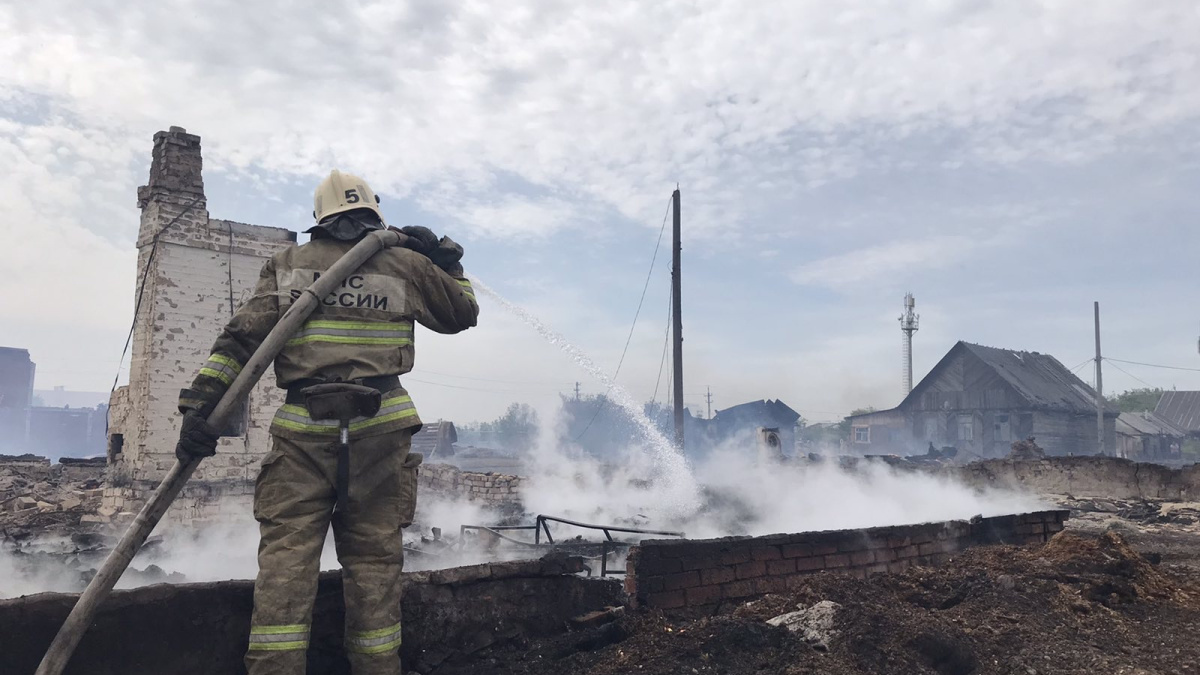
<point>295,417</point>
<point>279,638</point>
<point>379,641</point>
<point>466,286</point>
<point>221,368</point>
<point>397,333</point>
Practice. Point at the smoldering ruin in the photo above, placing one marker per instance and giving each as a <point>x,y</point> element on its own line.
<point>499,597</point>
<point>943,536</point>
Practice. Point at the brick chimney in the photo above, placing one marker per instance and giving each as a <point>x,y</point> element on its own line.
<point>176,183</point>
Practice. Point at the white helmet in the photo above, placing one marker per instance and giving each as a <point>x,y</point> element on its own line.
<point>342,192</point>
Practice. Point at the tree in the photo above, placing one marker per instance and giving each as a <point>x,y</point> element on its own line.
<point>1138,400</point>
<point>517,428</point>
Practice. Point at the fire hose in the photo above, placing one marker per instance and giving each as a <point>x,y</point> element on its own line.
<point>72,630</point>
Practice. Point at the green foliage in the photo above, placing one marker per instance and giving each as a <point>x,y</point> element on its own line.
<point>600,426</point>
<point>1138,400</point>
<point>516,429</point>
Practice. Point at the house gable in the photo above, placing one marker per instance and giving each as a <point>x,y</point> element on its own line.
<point>963,381</point>
<point>974,377</point>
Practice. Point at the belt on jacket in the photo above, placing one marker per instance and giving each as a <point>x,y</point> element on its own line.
<point>383,383</point>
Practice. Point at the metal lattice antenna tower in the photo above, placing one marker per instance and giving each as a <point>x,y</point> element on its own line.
<point>909,323</point>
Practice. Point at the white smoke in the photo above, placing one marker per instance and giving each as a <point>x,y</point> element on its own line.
<point>740,495</point>
<point>745,496</point>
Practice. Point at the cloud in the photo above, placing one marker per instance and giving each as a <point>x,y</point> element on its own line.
<point>872,263</point>
<point>864,146</point>
<point>603,100</point>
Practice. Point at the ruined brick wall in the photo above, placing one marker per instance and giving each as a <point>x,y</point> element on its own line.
<point>190,264</point>
<point>700,575</point>
<point>78,471</point>
<point>1093,477</point>
<point>200,629</point>
<point>30,465</point>
<point>493,489</point>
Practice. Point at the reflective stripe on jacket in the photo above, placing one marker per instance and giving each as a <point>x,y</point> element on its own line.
<point>397,407</point>
<point>362,329</point>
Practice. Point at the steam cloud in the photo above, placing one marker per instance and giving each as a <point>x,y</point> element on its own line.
<point>740,495</point>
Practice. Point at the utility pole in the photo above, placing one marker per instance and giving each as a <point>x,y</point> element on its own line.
<point>677,318</point>
<point>708,397</point>
<point>576,391</point>
<point>1099,387</point>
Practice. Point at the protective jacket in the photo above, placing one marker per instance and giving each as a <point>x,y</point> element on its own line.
<point>364,329</point>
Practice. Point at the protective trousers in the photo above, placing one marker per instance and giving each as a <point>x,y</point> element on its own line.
<point>294,501</point>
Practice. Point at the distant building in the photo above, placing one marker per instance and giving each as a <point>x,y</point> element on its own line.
<point>16,395</point>
<point>54,429</point>
<point>1181,409</point>
<point>67,432</point>
<point>743,419</point>
<point>1147,436</point>
<point>61,397</point>
<point>436,441</point>
<point>981,399</point>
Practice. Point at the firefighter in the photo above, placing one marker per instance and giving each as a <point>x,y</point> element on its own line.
<point>361,334</point>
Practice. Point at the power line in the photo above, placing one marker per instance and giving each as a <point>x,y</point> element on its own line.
<point>546,383</point>
<point>641,300</point>
<point>229,265</point>
<point>137,306</point>
<point>1152,365</point>
<point>1091,360</point>
<point>457,386</point>
<point>666,341</point>
<point>1130,374</point>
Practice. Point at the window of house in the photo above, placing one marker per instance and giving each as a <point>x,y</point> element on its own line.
<point>862,434</point>
<point>966,428</point>
<point>931,429</point>
<point>116,443</point>
<point>1003,429</point>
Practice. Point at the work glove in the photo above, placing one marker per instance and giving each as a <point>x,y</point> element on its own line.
<point>420,239</point>
<point>197,438</point>
<point>447,255</point>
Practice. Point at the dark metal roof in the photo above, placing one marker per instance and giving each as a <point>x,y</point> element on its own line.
<point>776,412</point>
<point>1041,379</point>
<point>1181,408</point>
<point>1147,424</point>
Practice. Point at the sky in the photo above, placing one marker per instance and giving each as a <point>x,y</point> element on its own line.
<point>1008,162</point>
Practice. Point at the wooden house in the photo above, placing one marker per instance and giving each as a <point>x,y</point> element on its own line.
<point>980,399</point>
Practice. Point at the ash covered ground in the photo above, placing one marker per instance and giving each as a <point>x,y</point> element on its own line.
<point>1117,592</point>
<point>1087,602</point>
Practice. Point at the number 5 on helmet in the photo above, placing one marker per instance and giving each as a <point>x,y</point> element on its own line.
<point>342,192</point>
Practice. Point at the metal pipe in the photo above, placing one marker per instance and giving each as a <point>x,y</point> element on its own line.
<point>72,630</point>
<point>544,518</point>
